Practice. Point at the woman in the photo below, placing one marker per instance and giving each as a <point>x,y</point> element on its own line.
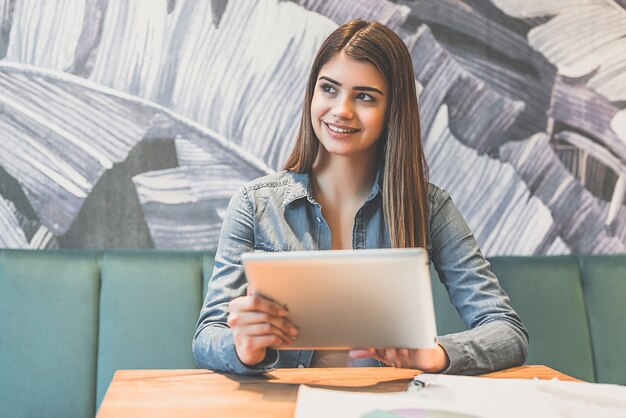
<point>356,178</point>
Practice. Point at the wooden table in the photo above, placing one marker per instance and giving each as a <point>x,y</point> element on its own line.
<point>202,393</point>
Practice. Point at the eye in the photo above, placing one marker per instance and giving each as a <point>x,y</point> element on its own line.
<point>365,97</point>
<point>328,88</point>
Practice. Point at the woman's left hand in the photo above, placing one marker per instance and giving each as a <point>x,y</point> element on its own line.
<point>431,360</point>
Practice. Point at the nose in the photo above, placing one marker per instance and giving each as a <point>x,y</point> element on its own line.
<point>343,108</point>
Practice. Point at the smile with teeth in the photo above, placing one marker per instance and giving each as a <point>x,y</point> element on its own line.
<point>340,130</point>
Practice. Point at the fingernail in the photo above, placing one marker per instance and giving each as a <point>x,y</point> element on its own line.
<point>293,332</point>
<point>282,312</point>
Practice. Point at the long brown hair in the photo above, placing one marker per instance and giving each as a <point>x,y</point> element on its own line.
<point>405,173</point>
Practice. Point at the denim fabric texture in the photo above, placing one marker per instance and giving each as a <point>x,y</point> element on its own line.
<point>278,213</point>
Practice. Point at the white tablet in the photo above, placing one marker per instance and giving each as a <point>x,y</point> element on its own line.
<point>350,298</point>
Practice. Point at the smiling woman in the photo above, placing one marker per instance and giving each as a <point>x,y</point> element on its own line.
<point>356,179</point>
<point>348,107</point>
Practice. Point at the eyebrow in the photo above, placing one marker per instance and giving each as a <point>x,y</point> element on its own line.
<point>359,88</point>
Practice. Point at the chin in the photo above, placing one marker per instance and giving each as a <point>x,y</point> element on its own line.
<point>340,149</point>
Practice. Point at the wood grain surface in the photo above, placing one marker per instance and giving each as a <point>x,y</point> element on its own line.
<point>203,393</point>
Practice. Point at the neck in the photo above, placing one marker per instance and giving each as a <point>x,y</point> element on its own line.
<point>337,178</point>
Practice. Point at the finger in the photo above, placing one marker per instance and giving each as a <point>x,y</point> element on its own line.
<point>256,303</point>
<point>380,356</point>
<point>241,319</point>
<point>404,356</point>
<point>253,343</point>
<point>362,353</point>
<point>391,355</point>
<point>264,328</point>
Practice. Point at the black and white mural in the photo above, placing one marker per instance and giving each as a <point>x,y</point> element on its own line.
<point>129,124</point>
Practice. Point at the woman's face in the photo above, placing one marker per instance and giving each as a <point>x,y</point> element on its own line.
<point>348,106</point>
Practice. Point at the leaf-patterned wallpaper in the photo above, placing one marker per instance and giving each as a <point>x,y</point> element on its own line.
<point>129,124</point>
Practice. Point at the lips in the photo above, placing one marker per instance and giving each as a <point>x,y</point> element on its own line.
<point>340,129</point>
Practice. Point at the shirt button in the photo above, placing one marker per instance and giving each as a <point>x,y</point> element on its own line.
<point>300,366</point>
<point>319,220</point>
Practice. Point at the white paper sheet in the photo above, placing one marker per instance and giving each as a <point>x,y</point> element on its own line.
<point>470,396</point>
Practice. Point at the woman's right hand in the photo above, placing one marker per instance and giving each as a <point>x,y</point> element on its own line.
<point>258,323</point>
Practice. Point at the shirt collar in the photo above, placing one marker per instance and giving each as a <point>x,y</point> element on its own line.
<point>299,187</point>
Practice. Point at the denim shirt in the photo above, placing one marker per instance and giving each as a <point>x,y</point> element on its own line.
<point>278,213</point>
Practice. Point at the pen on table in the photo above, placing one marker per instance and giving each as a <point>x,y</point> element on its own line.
<point>416,384</point>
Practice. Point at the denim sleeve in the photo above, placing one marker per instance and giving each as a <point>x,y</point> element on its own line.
<point>213,343</point>
<point>496,337</point>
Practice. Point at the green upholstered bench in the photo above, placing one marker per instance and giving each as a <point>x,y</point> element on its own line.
<point>572,306</point>
<point>70,318</point>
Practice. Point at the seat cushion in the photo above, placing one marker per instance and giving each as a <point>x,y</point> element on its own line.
<point>604,281</point>
<point>48,333</point>
<point>149,305</point>
<point>547,294</point>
